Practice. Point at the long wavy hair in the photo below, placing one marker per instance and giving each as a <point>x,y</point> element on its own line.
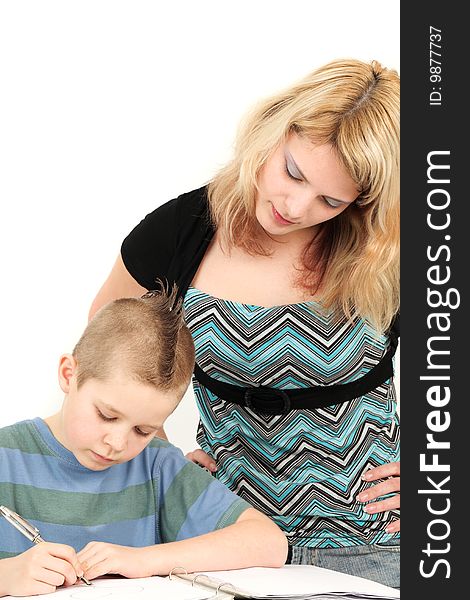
<point>352,264</point>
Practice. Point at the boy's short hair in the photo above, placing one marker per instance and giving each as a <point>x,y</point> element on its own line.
<point>146,337</point>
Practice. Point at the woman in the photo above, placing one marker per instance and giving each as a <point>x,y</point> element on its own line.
<point>288,264</point>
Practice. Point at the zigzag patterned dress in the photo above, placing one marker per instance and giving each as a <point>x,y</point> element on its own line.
<point>302,469</point>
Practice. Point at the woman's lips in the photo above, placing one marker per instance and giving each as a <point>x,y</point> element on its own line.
<point>279,218</point>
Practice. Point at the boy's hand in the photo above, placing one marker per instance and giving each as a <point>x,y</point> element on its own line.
<point>40,570</point>
<point>101,558</point>
<point>391,473</point>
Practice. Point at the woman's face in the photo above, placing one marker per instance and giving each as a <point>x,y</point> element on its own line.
<point>300,186</point>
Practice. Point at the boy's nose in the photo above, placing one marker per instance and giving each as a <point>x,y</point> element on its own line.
<point>116,441</point>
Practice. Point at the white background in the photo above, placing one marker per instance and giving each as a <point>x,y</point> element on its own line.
<point>109,108</point>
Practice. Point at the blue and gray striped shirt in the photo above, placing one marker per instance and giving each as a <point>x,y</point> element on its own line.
<point>157,497</point>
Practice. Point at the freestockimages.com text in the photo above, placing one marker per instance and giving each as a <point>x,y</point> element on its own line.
<point>441,300</point>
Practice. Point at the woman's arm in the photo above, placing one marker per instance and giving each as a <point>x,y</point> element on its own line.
<point>119,284</point>
<point>254,540</point>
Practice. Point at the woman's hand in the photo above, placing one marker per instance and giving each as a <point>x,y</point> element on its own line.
<point>202,459</point>
<point>39,570</point>
<point>102,558</point>
<point>391,471</point>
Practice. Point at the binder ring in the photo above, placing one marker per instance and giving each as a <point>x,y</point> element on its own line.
<point>173,569</point>
<point>221,585</point>
<point>194,579</point>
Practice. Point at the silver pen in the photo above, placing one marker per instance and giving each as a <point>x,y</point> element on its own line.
<point>28,530</point>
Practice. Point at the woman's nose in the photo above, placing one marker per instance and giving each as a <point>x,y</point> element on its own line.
<point>297,205</point>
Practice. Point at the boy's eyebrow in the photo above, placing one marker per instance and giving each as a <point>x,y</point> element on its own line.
<point>119,414</point>
<point>289,155</point>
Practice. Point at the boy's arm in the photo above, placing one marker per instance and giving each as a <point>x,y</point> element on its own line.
<point>253,540</point>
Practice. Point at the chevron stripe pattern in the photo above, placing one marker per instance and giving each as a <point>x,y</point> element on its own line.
<point>302,469</point>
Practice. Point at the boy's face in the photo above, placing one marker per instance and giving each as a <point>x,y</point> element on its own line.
<point>108,422</point>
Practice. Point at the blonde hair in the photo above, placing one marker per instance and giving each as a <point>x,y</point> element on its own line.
<point>354,106</point>
<point>145,337</point>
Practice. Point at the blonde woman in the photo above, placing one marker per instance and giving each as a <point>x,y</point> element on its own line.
<point>288,263</point>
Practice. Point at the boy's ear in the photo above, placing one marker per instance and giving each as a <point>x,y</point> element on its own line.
<point>67,369</point>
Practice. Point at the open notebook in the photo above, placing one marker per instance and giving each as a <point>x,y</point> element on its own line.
<point>292,582</point>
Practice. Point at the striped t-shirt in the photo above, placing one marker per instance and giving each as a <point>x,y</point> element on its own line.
<point>157,497</point>
<point>302,469</point>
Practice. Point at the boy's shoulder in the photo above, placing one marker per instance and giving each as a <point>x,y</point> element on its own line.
<point>24,436</point>
<point>165,451</point>
<point>10,434</point>
<point>169,456</point>
<point>172,460</point>
<point>173,464</point>
<point>159,443</point>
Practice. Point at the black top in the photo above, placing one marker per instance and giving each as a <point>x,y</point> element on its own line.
<point>170,242</point>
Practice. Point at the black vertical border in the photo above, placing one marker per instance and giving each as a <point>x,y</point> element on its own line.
<point>429,128</point>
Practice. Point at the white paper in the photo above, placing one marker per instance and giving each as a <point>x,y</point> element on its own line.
<point>149,588</point>
<point>290,580</point>
<point>299,580</point>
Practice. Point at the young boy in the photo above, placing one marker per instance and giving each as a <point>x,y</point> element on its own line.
<point>104,492</point>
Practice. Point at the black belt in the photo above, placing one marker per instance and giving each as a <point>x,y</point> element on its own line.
<point>280,401</point>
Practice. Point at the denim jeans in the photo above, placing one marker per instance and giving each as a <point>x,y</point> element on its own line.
<point>379,563</point>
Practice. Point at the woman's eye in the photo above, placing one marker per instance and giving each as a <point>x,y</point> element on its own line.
<point>332,203</point>
<point>289,172</point>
